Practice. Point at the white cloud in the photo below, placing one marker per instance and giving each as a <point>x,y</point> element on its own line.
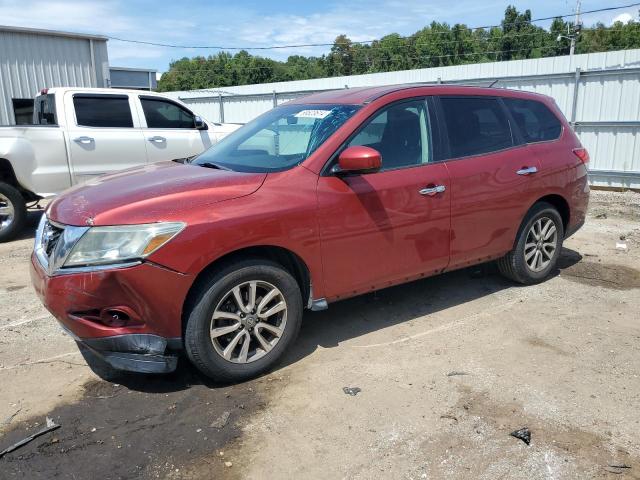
<point>623,18</point>
<point>231,24</point>
<point>79,16</point>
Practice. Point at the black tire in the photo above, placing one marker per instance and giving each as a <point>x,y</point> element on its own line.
<point>211,291</point>
<point>513,264</point>
<point>13,196</point>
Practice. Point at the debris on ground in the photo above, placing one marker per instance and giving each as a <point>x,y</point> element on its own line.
<point>450,417</point>
<point>353,391</point>
<point>617,469</point>
<point>228,464</point>
<point>456,373</point>
<point>523,434</point>
<point>221,421</point>
<point>601,215</point>
<point>50,426</point>
<point>10,418</point>
<point>621,246</point>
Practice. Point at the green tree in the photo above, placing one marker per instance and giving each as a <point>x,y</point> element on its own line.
<point>435,45</point>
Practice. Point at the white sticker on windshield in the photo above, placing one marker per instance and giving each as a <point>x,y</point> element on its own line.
<point>312,113</point>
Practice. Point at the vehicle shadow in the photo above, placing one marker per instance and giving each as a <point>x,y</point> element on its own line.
<point>361,315</point>
<point>29,229</point>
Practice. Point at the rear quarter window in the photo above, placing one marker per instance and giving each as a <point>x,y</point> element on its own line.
<point>534,120</point>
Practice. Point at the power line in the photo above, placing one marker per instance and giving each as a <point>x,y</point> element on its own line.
<point>363,42</point>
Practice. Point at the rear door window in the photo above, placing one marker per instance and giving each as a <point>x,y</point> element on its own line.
<point>103,111</point>
<point>475,125</point>
<point>536,122</point>
<point>164,114</point>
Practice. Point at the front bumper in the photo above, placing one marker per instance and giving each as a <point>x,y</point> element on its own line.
<point>152,294</point>
<point>142,353</point>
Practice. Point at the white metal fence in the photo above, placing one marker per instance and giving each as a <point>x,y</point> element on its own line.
<point>599,93</point>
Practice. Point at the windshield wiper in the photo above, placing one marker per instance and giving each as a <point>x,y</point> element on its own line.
<point>183,160</point>
<point>213,165</point>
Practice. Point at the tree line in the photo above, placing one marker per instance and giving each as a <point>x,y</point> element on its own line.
<point>436,45</point>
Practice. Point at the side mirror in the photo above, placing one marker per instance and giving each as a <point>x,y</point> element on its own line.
<point>199,123</point>
<point>358,159</point>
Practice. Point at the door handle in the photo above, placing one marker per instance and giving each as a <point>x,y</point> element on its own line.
<point>157,139</point>
<point>83,140</point>
<point>527,171</point>
<point>431,191</point>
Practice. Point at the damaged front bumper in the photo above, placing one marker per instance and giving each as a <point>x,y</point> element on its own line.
<point>146,338</point>
<point>138,352</point>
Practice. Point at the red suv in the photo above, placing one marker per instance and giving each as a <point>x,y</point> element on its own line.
<point>323,198</point>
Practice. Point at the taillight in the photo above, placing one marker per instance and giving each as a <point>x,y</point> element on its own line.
<point>582,154</point>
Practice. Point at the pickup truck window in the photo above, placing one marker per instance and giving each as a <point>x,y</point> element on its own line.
<point>164,114</point>
<point>103,111</point>
<point>23,110</point>
<point>44,112</point>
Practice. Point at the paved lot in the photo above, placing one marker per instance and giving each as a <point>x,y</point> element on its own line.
<point>447,368</point>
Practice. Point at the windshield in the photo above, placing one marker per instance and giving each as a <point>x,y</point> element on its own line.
<point>278,140</point>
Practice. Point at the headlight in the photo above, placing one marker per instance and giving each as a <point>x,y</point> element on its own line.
<point>118,244</point>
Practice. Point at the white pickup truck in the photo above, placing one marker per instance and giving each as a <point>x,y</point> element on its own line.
<point>78,134</point>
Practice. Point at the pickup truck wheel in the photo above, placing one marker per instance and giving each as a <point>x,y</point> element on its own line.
<point>537,247</point>
<point>13,212</point>
<point>242,319</point>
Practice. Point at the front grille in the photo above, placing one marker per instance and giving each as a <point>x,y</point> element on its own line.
<point>50,237</point>
<point>54,243</point>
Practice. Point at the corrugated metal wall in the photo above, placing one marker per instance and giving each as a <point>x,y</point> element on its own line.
<point>602,100</point>
<point>32,61</point>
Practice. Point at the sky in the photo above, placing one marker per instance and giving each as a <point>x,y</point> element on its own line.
<point>253,23</point>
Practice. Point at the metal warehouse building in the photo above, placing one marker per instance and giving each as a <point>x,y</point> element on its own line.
<point>33,59</point>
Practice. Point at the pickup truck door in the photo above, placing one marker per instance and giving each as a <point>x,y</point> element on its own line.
<point>104,134</point>
<point>391,226</point>
<point>169,130</point>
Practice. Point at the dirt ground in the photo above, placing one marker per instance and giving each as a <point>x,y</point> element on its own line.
<point>447,368</point>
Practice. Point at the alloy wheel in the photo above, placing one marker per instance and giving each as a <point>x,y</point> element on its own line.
<point>541,244</point>
<point>248,321</point>
<point>7,212</point>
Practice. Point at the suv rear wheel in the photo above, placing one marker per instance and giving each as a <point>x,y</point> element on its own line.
<point>537,247</point>
<point>242,320</point>
<point>13,212</point>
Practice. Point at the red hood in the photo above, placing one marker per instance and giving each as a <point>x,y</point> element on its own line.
<point>155,192</point>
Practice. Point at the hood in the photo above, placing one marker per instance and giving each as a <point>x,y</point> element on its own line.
<point>151,193</point>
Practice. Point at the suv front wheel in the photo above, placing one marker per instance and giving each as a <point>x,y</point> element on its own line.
<point>537,246</point>
<point>243,318</point>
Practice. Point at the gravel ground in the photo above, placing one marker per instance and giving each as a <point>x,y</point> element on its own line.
<point>447,368</point>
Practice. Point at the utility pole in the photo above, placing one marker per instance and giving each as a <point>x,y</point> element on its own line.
<point>576,29</point>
